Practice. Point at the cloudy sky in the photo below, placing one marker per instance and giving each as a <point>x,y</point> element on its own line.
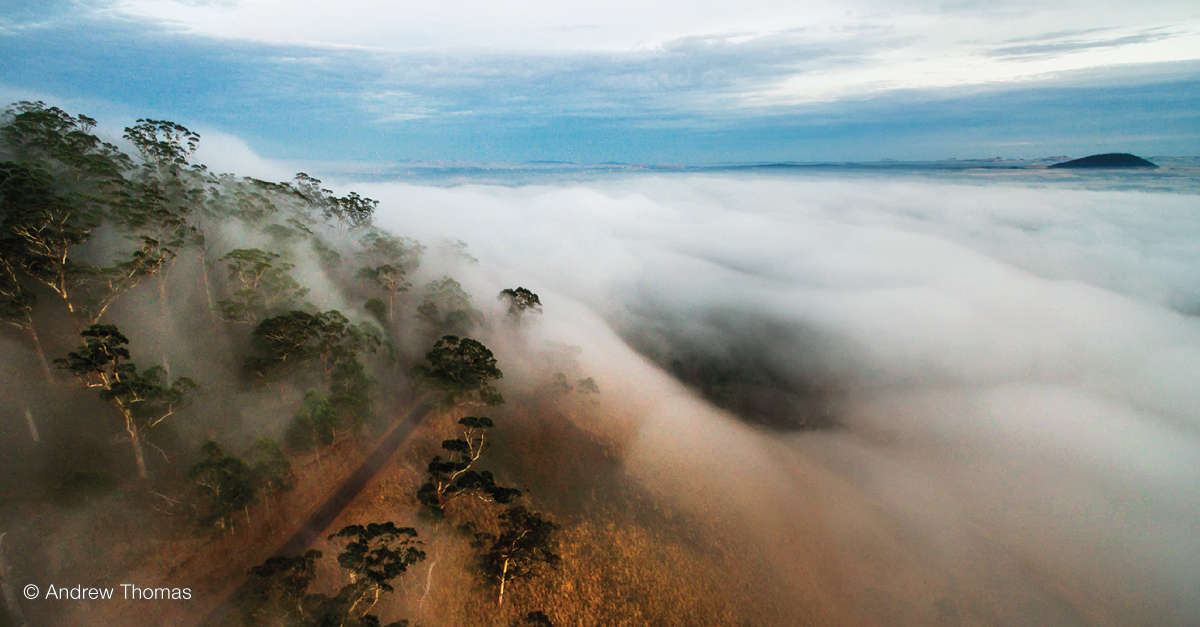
<point>640,81</point>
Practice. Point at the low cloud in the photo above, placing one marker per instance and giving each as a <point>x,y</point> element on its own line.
<point>1012,373</point>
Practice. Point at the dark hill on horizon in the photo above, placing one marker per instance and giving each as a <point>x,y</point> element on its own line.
<point>1109,160</point>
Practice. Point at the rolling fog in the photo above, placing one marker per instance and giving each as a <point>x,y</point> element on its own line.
<point>1005,379</point>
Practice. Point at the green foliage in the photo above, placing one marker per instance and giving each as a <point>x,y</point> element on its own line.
<point>352,210</point>
<point>162,144</point>
<point>279,587</point>
<point>460,369</point>
<point>521,301</point>
<point>523,549</point>
<point>226,483</point>
<point>295,338</point>
<point>37,132</point>
<point>377,553</point>
<point>315,424</point>
<point>260,285</point>
<point>587,386</point>
<point>453,477</point>
<point>144,398</point>
<point>446,309</point>
<point>103,362</point>
<point>272,470</point>
<point>383,248</point>
<point>374,556</point>
<point>378,310</point>
<point>350,392</point>
<point>388,278</point>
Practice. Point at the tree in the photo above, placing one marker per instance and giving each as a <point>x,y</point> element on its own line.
<point>36,132</point>
<point>280,587</point>
<point>260,285</point>
<point>520,301</point>
<point>316,423</point>
<point>374,555</point>
<point>380,247</point>
<point>453,477</point>
<point>523,549</point>
<point>446,309</point>
<point>289,340</point>
<point>352,210</point>
<point>460,369</point>
<point>272,470</point>
<point>227,483</point>
<point>163,145</point>
<point>390,279</point>
<point>42,231</point>
<point>19,188</point>
<point>143,398</point>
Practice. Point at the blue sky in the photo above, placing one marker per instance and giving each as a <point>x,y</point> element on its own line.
<point>649,81</point>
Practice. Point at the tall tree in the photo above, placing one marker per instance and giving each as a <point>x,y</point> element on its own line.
<point>296,338</point>
<point>225,482</point>
<point>144,398</point>
<point>523,549</point>
<point>521,301</point>
<point>36,132</point>
<point>373,555</point>
<point>260,283</point>
<point>460,369</point>
<point>455,477</point>
<point>446,309</point>
<point>163,145</point>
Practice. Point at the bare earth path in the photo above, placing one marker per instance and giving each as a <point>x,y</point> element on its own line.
<point>324,516</point>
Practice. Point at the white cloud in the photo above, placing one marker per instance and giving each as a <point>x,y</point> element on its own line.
<point>223,153</point>
<point>868,46</point>
<point>1016,382</point>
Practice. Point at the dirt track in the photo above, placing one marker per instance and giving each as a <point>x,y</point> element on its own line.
<point>324,515</point>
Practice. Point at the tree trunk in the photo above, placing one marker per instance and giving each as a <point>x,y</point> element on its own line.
<point>41,353</point>
<point>136,439</point>
<point>33,432</point>
<point>503,579</point>
<point>212,308</point>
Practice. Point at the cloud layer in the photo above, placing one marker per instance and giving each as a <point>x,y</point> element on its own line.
<point>1014,370</point>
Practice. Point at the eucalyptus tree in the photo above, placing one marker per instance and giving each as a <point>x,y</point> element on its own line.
<point>373,556</point>
<point>523,548</point>
<point>227,484</point>
<point>144,398</point>
<point>260,284</point>
<point>521,301</point>
<point>69,184</point>
<point>446,309</point>
<point>297,338</point>
<point>455,476</point>
<point>17,300</point>
<point>353,211</point>
<point>49,135</point>
<point>460,369</point>
<point>389,260</point>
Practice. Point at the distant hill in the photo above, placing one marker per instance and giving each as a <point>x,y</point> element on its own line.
<point>1110,160</point>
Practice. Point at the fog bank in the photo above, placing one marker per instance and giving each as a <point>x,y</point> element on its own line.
<point>981,403</point>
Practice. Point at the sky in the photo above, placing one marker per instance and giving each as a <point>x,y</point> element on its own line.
<point>645,81</point>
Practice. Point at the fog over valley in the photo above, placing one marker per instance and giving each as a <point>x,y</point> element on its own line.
<point>543,395</point>
<point>928,400</point>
